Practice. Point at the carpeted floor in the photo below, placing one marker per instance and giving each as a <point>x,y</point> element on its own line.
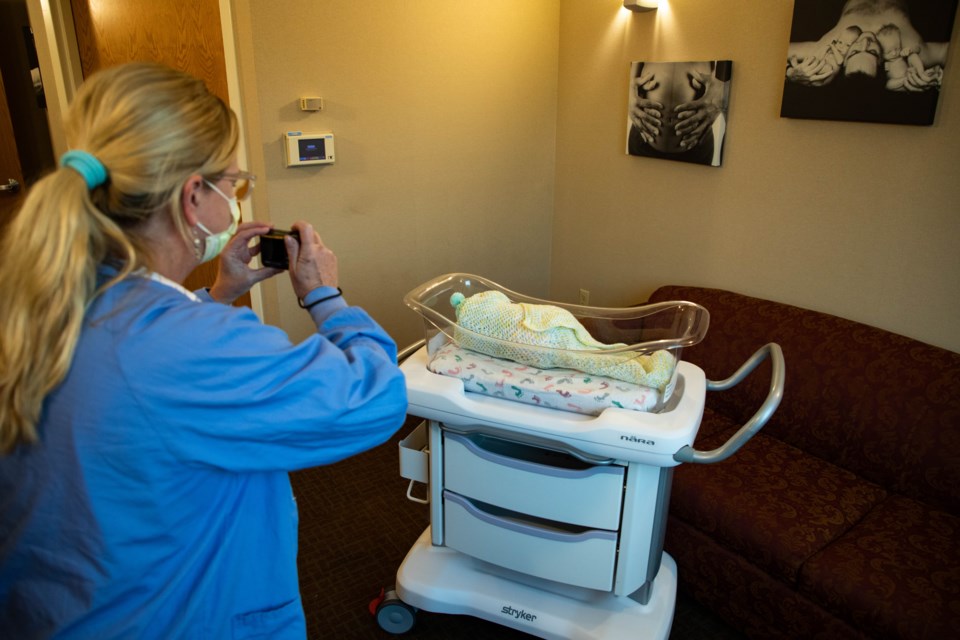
<point>356,526</point>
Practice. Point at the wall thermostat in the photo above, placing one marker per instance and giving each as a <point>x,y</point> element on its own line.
<point>304,149</point>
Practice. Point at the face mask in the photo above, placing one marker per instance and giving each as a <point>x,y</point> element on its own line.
<point>214,243</point>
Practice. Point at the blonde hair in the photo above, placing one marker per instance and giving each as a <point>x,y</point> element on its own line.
<point>152,128</point>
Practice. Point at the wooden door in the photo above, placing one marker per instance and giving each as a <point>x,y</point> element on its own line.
<point>183,34</point>
<point>11,193</point>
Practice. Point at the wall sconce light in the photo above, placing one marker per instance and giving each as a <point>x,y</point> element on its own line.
<point>641,5</point>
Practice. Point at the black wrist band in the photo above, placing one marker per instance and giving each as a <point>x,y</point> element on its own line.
<point>316,302</point>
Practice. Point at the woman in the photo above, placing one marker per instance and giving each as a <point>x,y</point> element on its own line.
<point>147,431</point>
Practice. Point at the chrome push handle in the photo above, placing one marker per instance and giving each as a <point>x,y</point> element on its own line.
<point>759,419</point>
<point>12,186</point>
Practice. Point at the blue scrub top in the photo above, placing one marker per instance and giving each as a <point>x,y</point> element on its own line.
<point>157,503</point>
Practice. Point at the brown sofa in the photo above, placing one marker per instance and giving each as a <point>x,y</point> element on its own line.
<point>841,517</point>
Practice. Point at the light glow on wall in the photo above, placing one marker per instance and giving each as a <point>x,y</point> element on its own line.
<point>653,24</point>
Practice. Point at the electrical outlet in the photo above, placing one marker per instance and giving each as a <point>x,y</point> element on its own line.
<point>584,297</point>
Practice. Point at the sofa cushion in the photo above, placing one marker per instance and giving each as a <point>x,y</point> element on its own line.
<point>745,596</point>
<point>772,503</point>
<point>896,573</point>
<point>882,405</point>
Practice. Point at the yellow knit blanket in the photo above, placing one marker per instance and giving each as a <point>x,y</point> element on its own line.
<point>549,337</point>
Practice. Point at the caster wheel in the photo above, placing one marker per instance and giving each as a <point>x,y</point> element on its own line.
<point>394,615</point>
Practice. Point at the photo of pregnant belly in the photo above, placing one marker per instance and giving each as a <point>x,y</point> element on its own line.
<point>677,110</point>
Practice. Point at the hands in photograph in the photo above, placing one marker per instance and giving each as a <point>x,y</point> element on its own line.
<point>813,70</point>
<point>904,65</point>
<point>922,80</point>
<point>816,64</point>
<point>695,118</point>
<point>646,115</point>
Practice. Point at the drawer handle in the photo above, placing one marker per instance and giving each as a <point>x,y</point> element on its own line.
<point>528,529</point>
<point>545,443</point>
<point>530,467</point>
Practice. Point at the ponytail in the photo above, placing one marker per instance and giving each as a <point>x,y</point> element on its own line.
<point>49,256</point>
<point>150,128</point>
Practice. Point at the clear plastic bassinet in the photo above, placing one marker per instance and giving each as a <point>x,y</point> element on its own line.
<point>637,372</point>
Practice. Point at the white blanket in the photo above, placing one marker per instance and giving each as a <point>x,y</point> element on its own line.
<point>563,389</point>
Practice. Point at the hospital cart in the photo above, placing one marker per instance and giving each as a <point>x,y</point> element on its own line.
<point>550,522</point>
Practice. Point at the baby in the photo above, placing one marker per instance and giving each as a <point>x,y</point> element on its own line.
<point>549,337</point>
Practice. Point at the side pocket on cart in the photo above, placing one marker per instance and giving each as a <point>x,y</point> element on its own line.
<point>269,623</point>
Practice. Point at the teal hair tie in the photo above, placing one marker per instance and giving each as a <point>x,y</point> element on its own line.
<point>92,170</point>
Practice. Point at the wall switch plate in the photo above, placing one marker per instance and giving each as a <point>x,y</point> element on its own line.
<point>584,297</point>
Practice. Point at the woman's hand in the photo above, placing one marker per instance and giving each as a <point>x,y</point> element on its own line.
<point>312,264</point>
<point>234,275</point>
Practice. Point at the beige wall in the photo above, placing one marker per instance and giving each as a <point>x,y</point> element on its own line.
<point>448,116</point>
<point>445,117</point>
<point>860,220</point>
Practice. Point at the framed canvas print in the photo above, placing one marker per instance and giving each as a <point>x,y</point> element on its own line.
<point>678,110</point>
<point>867,60</point>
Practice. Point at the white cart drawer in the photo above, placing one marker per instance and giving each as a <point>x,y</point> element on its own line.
<point>582,557</point>
<point>534,481</point>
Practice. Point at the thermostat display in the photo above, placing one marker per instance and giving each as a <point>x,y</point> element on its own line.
<point>303,149</point>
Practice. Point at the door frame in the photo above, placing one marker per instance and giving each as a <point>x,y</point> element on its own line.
<point>59,55</point>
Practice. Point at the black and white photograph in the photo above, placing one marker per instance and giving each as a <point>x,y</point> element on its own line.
<point>678,110</point>
<point>867,60</point>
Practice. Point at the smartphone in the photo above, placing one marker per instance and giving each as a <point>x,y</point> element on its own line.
<point>273,252</point>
